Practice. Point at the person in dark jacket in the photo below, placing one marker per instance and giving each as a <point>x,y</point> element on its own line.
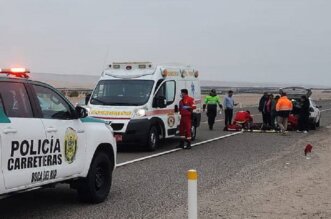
<point>303,125</point>
<point>262,103</point>
<point>273,111</point>
<point>211,102</point>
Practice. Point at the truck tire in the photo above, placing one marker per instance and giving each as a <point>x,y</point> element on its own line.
<point>153,139</point>
<point>96,186</point>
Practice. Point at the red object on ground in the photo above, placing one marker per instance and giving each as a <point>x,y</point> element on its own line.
<point>308,149</point>
<point>233,127</point>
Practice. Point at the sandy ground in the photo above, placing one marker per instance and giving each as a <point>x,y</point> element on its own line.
<point>294,187</point>
<point>300,190</point>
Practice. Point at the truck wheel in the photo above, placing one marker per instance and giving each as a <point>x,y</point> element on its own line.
<point>95,187</point>
<point>194,132</point>
<point>153,139</point>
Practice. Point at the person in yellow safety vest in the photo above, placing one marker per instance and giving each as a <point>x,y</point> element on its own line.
<point>284,107</point>
<point>211,102</point>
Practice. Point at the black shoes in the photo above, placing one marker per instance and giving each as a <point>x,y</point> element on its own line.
<point>182,145</point>
<point>188,145</point>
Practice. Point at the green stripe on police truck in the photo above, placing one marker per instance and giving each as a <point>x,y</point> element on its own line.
<point>3,117</point>
<point>91,119</point>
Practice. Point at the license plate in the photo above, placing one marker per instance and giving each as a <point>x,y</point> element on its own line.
<point>119,138</point>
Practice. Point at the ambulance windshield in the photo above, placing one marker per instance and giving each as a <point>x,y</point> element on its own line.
<point>122,92</point>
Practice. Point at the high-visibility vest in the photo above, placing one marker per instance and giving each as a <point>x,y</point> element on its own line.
<point>284,104</point>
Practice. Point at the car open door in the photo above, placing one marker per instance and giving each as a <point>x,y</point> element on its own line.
<point>296,92</point>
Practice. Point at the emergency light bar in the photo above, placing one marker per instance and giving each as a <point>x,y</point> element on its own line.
<point>131,65</point>
<point>16,72</point>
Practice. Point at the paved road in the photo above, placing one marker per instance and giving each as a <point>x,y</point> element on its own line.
<point>154,188</point>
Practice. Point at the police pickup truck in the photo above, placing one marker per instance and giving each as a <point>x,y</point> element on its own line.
<point>44,140</point>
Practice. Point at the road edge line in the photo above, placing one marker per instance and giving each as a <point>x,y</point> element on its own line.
<point>174,150</point>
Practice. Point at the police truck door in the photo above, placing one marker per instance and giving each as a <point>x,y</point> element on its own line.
<point>22,137</point>
<point>62,126</point>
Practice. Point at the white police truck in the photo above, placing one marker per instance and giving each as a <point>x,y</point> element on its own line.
<point>141,101</point>
<point>44,140</point>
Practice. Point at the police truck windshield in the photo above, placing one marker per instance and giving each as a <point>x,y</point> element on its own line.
<point>122,92</point>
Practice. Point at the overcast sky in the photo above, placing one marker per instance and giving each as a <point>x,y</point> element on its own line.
<point>233,40</point>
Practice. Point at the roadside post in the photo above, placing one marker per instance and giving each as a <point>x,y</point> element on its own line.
<point>192,177</point>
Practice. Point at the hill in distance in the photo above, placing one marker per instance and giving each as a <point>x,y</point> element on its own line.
<point>89,82</point>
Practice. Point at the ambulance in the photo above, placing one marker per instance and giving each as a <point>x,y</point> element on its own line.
<point>141,101</point>
<point>45,140</point>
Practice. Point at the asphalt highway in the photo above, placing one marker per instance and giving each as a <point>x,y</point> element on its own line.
<point>156,187</point>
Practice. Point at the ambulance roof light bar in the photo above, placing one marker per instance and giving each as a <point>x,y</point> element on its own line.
<point>15,72</point>
<point>130,65</point>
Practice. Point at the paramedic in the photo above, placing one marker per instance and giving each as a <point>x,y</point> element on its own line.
<point>211,102</point>
<point>244,119</point>
<point>284,107</point>
<point>228,105</point>
<point>186,107</point>
<point>304,114</point>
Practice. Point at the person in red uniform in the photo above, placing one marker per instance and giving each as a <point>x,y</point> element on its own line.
<point>244,118</point>
<point>186,107</point>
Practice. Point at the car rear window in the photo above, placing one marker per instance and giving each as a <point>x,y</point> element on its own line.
<point>14,100</point>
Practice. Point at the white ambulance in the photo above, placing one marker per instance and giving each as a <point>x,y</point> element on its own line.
<point>44,140</point>
<point>141,101</point>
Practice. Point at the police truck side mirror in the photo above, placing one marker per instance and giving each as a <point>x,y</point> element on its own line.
<point>87,98</point>
<point>311,109</point>
<point>81,112</point>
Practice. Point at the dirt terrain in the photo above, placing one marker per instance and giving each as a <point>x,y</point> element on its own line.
<point>289,185</point>
<point>300,188</point>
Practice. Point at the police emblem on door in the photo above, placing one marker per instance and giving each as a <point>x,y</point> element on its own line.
<point>70,145</point>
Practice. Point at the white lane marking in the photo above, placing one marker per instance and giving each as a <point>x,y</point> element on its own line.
<point>325,110</point>
<point>174,150</point>
<point>177,149</point>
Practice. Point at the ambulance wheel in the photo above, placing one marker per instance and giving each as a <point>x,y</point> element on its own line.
<point>194,132</point>
<point>96,186</point>
<point>153,139</point>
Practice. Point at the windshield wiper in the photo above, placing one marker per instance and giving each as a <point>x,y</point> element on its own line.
<point>123,104</point>
<point>98,100</point>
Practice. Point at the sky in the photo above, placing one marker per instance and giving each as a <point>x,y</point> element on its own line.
<point>280,41</point>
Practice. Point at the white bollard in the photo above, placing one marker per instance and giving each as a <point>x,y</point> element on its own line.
<point>192,177</point>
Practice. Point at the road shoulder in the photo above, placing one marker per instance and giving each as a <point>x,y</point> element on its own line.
<point>294,187</point>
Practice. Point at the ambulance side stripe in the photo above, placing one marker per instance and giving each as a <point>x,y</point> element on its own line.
<point>160,112</point>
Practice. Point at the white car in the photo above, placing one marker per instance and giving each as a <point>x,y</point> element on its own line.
<point>295,93</point>
<point>45,140</point>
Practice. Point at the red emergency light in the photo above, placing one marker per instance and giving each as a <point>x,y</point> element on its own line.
<point>16,72</point>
